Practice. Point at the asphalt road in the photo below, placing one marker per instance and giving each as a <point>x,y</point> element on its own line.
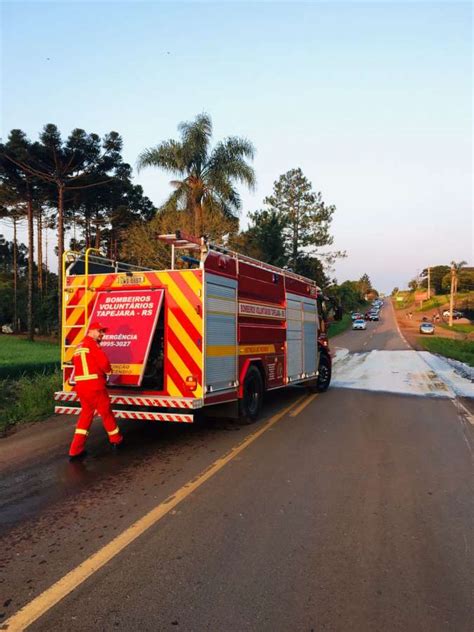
<point>353,511</point>
<point>382,334</point>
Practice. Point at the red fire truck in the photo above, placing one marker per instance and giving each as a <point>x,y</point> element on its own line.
<point>226,329</point>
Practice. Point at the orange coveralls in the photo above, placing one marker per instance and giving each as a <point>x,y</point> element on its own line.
<point>91,366</point>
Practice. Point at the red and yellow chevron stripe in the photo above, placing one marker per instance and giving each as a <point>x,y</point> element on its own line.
<point>183,322</point>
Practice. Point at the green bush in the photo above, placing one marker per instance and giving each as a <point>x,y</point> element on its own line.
<point>28,399</point>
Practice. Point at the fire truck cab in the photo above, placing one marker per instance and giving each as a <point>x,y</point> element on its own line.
<point>228,328</point>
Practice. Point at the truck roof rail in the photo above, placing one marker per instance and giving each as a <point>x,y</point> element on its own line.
<point>183,241</point>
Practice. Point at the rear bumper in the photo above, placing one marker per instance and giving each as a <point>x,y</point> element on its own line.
<point>126,399</point>
<point>133,414</point>
<point>140,407</point>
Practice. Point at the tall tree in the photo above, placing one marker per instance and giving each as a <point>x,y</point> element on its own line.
<point>39,246</point>
<point>103,214</point>
<point>313,268</point>
<point>13,271</point>
<point>81,162</point>
<point>437,273</point>
<point>264,238</point>
<point>142,247</point>
<point>457,270</point>
<point>14,210</point>
<point>348,294</point>
<point>206,178</point>
<point>306,216</point>
<point>365,284</point>
<point>21,185</point>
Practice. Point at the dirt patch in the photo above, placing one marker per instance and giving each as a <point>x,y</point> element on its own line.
<point>409,322</point>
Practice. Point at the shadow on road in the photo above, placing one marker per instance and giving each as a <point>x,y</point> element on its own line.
<point>49,478</point>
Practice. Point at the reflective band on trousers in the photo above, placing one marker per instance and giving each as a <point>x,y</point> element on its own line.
<point>81,431</point>
<point>113,432</point>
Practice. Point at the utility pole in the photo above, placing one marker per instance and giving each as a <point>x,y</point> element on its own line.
<point>451,298</point>
<point>429,282</point>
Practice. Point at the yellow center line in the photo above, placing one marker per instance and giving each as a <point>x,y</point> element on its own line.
<point>303,405</point>
<point>32,611</point>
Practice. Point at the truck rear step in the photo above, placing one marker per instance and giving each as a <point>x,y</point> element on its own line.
<point>133,414</point>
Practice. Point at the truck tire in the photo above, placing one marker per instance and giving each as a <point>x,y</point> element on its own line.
<point>251,402</point>
<point>324,374</point>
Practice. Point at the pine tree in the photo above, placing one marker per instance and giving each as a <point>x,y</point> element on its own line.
<point>306,217</point>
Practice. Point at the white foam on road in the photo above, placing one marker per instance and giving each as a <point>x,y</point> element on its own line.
<point>404,372</point>
<point>454,374</point>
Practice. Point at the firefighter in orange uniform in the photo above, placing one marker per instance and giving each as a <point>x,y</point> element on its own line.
<point>91,367</point>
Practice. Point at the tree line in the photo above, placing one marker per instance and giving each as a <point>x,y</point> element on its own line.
<point>80,183</point>
<point>81,186</point>
<point>440,278</point>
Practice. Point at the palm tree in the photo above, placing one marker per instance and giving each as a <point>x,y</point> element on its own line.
<point>455,270</point>
<point>207,178</point>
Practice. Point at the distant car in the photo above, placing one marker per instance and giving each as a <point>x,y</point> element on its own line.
<point>456,314</point>
<point>359,324</point>
<point>356,315</point>
<point>427,328</point>
<point>373,316</point>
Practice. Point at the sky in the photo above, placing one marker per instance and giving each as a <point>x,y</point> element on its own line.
<point>372,100</point>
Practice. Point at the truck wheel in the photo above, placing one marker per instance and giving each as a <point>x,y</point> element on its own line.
<point>251,402</point>
<point>324,374</point>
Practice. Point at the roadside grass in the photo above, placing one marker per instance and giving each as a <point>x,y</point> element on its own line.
<point>462,329</point>
<point>27,399</point>
<point>433,303</point>
<point>408,300</point>
<point>339,326</point>
<point>461,350</point>
<point>462,299</point>
<point>19,356</point>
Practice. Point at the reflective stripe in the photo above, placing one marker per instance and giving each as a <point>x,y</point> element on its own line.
<point>80,351</point>
<point>85,368</point>
<point>113,432</point>
<point>81,431</point>
<point>83,378</point>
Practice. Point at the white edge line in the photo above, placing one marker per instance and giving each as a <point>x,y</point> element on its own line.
<point>454,399</point>
<point>458,405</point>
<point>399,330</point>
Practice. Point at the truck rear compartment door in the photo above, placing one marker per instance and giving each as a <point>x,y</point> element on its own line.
<point>130,317</point>
<point>221,333</point>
